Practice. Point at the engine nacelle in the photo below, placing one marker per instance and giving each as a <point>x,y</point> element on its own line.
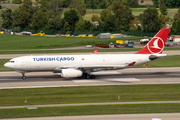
<point>68,73</point>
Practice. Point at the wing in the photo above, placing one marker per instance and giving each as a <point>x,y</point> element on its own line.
<point>92,67</point>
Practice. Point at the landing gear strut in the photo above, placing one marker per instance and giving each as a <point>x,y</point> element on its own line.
<point>23,76</point>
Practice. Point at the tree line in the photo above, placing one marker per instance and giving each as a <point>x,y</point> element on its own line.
<point>90,4</point>
<point>167,3</point>
<point>48,16</point>
<point>119,18</point>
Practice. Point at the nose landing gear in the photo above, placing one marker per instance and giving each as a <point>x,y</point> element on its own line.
<point>23,76</point>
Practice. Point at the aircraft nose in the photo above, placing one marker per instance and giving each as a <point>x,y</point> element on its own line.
<point>6,65</point>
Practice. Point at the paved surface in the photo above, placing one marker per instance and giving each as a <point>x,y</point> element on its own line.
<point>158,116</point>
<point>9,56</point>
<point>131,76</point>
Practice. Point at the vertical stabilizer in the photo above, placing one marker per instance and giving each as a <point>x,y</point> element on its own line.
<point>156,45</point>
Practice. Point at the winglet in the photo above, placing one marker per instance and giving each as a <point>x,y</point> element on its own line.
<point>95,52</point>
<point>156,45</point>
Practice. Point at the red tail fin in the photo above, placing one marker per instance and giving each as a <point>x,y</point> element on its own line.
<point>156,45</point>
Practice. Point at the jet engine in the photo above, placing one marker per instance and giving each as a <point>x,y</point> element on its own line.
<point>71,73</point>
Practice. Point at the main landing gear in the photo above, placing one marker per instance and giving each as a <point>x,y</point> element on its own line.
<point>88,76</point>
<point>23,76</point>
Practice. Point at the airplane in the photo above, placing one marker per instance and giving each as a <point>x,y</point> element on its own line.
<point>70,66</point>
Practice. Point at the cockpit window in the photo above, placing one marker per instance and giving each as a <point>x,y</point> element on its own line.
<point>11,61</point>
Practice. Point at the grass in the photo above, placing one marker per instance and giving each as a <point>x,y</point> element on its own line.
<point>67,51</point>
<point>90,12</point>
<point>90,110</point>
<point>2,62</point>
<point>89,94</point>
<point>169,61</point>
<point>10,44</point>
<point>48,50</point>
<point>137,11</point>
<point>171,11</point>
<point>14,42</point>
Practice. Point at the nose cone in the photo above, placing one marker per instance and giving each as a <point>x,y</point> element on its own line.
<point>7,65</point>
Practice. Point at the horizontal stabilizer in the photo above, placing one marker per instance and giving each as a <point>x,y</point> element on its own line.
<point>156,56</point>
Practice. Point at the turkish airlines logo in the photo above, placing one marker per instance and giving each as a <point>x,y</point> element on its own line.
<point>156,45</point>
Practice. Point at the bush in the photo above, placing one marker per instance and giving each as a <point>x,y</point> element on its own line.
<point>94,18</point>
<point>0,7</point>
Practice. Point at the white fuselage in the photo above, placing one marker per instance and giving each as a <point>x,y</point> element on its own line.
<point>51,62</point>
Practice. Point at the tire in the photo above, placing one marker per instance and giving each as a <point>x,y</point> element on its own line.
<point>93,76</point>
<point>23,77</point>
<point>87,76</point>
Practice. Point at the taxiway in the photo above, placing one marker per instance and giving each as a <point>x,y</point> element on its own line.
<point>151,116</point>
<point>131,76</point>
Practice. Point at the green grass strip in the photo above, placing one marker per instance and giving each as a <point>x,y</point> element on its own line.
<point>39,51</point>
<point>2,62</point>
<point>169,61</point>
<point>20,42</point>
<point>89,94</point>
<point>90,110</point>
<point>67,51</point>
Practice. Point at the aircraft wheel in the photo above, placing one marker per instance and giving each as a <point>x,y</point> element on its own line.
<point>87,76</point>
<point>93,76</point>
<point>23,77</point>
